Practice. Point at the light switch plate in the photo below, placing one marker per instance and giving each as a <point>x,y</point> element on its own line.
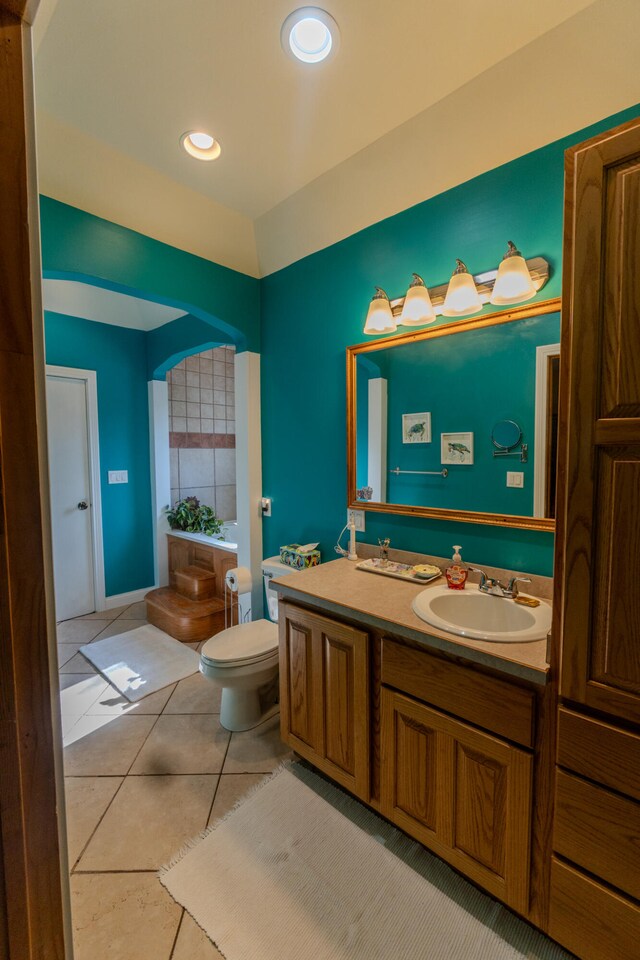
<point>515,478</point>
<point>265,506</point>
<point>118,476</point>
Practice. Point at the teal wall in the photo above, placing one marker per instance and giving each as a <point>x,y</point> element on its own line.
<point>119,358</point>
<point>314,308</point>
<point>222,307</point>
<point>77,245</point>
<point>468,383</point>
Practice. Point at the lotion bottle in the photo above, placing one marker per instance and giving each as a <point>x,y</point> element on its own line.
<point>456,574</point>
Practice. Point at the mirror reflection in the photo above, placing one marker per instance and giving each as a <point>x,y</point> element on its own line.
<point>460,420</point>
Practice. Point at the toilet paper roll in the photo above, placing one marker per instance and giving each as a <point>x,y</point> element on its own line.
<point>238,580</point>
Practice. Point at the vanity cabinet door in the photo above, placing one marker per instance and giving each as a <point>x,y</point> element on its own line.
<point>324,695</point>
<point>461,792</point>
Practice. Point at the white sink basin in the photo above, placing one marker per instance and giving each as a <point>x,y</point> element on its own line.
<point>480,616</point>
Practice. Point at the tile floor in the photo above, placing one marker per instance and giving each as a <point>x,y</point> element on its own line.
<point>141,780</point>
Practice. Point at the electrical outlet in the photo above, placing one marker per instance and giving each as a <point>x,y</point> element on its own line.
<point>515,478</point>
<point>358,516</point>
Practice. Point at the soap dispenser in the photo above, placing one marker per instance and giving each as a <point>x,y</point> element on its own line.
<point>456,574</point>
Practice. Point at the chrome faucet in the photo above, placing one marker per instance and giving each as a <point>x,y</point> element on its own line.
<point>496,588</point>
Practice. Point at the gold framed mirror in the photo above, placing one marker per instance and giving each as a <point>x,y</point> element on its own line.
<point>454,422</point>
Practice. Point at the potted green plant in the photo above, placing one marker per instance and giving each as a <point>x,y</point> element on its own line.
<point>194,517</point>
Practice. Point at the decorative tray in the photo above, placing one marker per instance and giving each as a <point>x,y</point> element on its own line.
<point>401,571</point>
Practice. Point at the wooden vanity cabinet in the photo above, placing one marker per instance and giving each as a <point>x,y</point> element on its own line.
<point>595,877</point>
<point>375,714</point>
<point>324,694</point>
<point>460,791</point>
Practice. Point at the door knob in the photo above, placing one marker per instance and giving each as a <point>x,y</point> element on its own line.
<point>83,505</point>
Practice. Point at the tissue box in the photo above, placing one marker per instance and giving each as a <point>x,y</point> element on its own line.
<point>294,556</point>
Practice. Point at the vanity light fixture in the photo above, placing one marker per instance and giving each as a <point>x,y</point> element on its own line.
<point>200,145</point>
<point>513,283</point>
<point>417,308</point>
<point>462,297</point>
<point>379,318</point>
<point>309,34</point>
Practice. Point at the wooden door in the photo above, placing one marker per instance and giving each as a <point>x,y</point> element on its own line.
<point>463,793</point>
<point>598,606</point>
<point>31,885</point>
<point>324,695</point>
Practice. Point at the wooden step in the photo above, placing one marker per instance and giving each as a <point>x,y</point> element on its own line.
<point>195,583</point>
<point>187,620</point>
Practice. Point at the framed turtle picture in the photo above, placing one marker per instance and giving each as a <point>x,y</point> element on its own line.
<point>416,428</point>
<point>456,448</point>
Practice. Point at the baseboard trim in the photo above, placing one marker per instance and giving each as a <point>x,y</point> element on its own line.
<point>120,599</point>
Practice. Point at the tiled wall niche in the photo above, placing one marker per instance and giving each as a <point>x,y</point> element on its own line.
<point>202,430</point>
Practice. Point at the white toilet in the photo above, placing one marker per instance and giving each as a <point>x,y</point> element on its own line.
<point>243,659</point>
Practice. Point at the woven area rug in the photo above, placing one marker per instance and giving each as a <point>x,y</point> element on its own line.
<point>141,661</point>
<point>300,871</point>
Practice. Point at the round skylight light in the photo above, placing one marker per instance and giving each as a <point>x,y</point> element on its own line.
<point>200,145</point>
<point>309,34</point>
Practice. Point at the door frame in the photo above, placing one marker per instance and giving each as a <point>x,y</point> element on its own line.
<point>540,441</point>
<point>89,377</point>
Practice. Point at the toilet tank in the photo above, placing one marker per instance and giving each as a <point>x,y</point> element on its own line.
<point>271,568</point>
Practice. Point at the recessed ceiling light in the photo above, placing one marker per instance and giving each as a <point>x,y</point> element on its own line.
<point>200,145</point>
<point>309,34</point>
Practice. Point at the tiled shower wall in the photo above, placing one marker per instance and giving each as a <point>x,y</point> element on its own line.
<point>202,430</point>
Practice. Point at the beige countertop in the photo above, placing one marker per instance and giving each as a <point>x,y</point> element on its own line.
<point>383,602</point>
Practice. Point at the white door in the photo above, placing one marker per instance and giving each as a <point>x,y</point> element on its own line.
<point>70,489</point>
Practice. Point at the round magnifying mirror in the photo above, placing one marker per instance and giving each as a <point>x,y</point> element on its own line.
<point>506,435</point>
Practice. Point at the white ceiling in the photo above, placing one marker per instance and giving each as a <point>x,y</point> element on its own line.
<point>118,82</point>
<point>77,299</point>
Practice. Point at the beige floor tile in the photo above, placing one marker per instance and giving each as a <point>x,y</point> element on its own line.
<point>108,749</point>
<point>111,702</point>
<point>184,744</point>
<point>77,664</point>
<point>257,751</point>
<point>118,626</point>
<point>77,695</point>
<point>193,943</point>
<point>149,821</point>
<point>66,680</point>
<point>195,695</point>
<point>72,631</point>
<point>122,917</point>
<point>135,611</point>
<point>86,799</point>
<point>106,614</point>
<point>68,650</point>
<point>232,788</point>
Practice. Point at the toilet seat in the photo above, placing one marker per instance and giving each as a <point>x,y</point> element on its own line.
<point>240,645</point>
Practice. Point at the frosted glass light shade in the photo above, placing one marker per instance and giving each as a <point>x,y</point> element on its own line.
<point>462,297</point>
<point>513,283</point>
<point>380,318</point>
<point>417,308</point>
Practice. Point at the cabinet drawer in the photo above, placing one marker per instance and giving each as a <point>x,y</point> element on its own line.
<point>593,922</point>
<point>599,831</point>
<point>491,703</point>
<point>599,751</point>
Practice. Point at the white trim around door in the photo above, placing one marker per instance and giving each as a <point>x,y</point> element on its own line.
<point>540,443</point>
<point>91,385</point>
